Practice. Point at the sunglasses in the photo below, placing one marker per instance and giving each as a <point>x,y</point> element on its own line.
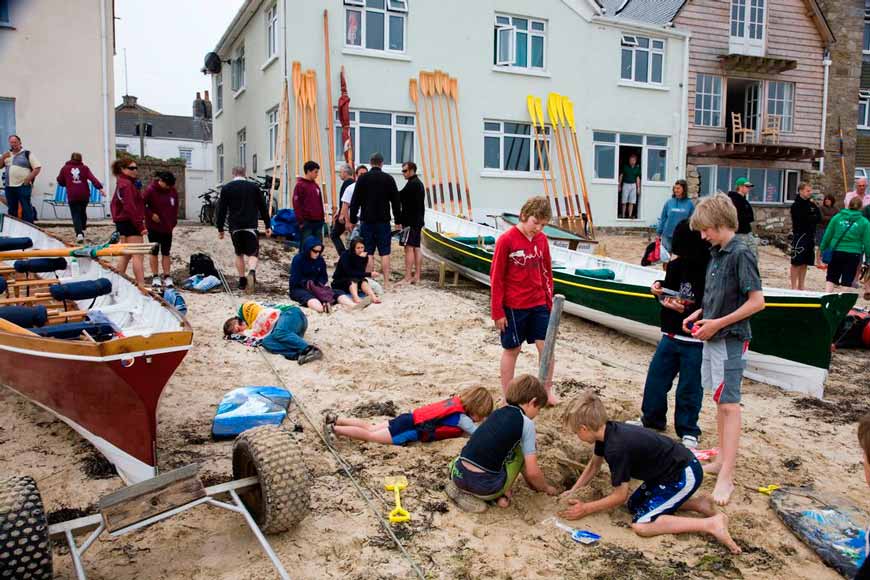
<point>316,251</point>
<point>132,167</point>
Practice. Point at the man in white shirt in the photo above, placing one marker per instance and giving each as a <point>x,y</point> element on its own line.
<point>860,191</point>
<point>21,170</point>
<point>346,198</point>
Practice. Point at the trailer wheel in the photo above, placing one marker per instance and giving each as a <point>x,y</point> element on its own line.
<point>25,550</point>
<point>283,498</point>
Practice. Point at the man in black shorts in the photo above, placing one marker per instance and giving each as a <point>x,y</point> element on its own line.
<point>412,198</point>
<point>805,216</point>
<point>240,205</point>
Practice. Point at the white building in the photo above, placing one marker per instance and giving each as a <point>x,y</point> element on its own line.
<point>171,137</point>
<point>627,80</point>
<point>56,84</point>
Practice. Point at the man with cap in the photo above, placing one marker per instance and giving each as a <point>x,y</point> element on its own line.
<point>745,215</point>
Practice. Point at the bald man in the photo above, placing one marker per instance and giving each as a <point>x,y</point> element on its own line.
<point>860,191</point>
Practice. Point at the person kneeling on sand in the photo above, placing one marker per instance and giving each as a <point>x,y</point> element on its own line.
<point>501,448</point>
<point>350,277</point>
<point>445,419</point>
<point>670,473</point>
<point>279,329</point>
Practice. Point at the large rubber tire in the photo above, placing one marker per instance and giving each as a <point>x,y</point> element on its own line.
<point>25,550</point>
<point>283,497</point>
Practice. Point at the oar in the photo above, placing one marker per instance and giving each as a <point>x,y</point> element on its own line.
<point>530,104</point>
<point>558,156</point>
<point>80,251</point>
<point>330,117</point>
<point>424,167</point>
<point>568,107</point>
<point>560,152</point>
<point>569,161</point>
<point>426,85</point>
<point>436,84</point>
<point>430,153</point>
<point>454,94</point>
<point>297,96</point>
<point>318,156</point>
<point>444,90</point>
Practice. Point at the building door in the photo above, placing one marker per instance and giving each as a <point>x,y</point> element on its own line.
<point>748,24</point>
<point>752,108</point>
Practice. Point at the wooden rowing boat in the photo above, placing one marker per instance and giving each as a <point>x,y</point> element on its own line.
<point>107,391</point>
<point>792,336</point>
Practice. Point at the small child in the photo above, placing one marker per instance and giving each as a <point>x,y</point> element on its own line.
<point>442,420</point>
<point>732,293</point>
<point>670,475</point>
<point>864,440</point>
<point>502,447</point>
<point>279,329</point>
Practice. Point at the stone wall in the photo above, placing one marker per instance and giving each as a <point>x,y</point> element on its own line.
<point>151,165</point>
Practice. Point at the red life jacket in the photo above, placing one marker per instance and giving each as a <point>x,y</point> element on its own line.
<point>426,420</point>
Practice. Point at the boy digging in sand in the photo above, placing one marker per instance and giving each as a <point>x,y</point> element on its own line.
<point>522,289</point>
<point>732,293</point>
<point>670,475</point>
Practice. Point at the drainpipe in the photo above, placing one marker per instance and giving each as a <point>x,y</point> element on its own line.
<point>684,128</point>
<point>105,93</point>
<point>826,61</point>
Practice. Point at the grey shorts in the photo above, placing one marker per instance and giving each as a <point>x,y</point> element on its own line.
<point>722,368</point>
<point>629,193</point>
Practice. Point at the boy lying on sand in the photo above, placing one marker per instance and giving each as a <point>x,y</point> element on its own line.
<point>670,475</point>
<point>279,329</point>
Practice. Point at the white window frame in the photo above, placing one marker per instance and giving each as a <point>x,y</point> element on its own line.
<point>238,70</point>
<point>219,92</point>
<point>744,26</point>
<point>272,130</point>
<point>220,161</point>
<point>631,43</point>
<point>505,28</point>
<point>864,101</point>
<point>188,159</point>
<point>866,44</point>
<point>500,134</point>
<point>645,147</point>
<point>787,101</point>
<point>701,92</point>
<point>395,8</point>
<point>122,147</point>
<point>242,147</point>
<point>271,18</point>
<point>395,127</point>
<point>783,185</point>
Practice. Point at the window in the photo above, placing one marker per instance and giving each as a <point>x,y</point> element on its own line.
<point>272,125</point>
<point>187,155</point>
<point>390,134</point>
<point>863,110</point>
<point>238,69</point>
<point>708,101</point>
<point>7,120</point>
<point>4,13</point>
<point>519,42</point>
<point>220,162</point>
<point>219,92</point>
<point>121,147</point>
<point>272,32</point>
<point>642,59</point>
<point>747,27</point>
<point>707,179</point>
<point>780,102</point>
<point>376,24</point>
<point>242,139</point>
<point>866,30</point>
<point>511,146</point>
<point>771,185</point>
<point>653,156</point>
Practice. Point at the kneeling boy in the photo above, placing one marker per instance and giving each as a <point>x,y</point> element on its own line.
<point>670,475</point>
<point>501,448</point>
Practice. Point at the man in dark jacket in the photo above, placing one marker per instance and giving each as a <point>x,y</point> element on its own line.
<point>77,178</point>
<point>243,202</point>
<point>161,217</point>
<point>413,197</point>
<point>375,193</point>
<point>308,203</point>
<point>745,215</point>
<point>805,216</point>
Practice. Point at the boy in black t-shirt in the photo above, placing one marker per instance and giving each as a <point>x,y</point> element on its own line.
<point>669,471</point>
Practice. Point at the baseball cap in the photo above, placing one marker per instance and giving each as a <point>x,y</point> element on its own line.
<point>743,181</point>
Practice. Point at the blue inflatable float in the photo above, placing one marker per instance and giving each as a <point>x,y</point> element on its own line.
<point>247,407</point>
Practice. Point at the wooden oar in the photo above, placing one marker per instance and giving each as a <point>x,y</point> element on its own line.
<point>454,94</point>
<point>113,250</point>
<point>436,85</point>
<point>530,104</point>
<point>330,116</point>
<point>297,133</point>
<point>279,161</point>
<point>6,326</point>
<point>318,155</point>
<point>426,85</point>
<point>569,160</point>
<point>568,107</point>
<point>540,114</point>
<point>424,167</point>
<point>443,85</point>
<point>563,171</point>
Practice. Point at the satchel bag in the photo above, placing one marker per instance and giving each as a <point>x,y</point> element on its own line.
<point>828,254</point>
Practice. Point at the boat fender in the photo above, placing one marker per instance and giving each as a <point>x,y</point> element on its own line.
<point>598,273</point>
<point>7,244</point>
<point>81,290</point>
<point>37,265</point>
<point>25,316</point>
<point>426,419</point>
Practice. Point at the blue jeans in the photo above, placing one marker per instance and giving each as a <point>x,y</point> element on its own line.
<point>311,228</point>
<point>673,357</point>
<point>286,338</point>
<point>20,195</point>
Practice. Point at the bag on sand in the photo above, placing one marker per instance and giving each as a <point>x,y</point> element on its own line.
<point>202,264</point>
<point>322,293</point>
<point>175,300</point>
<point>652,253</point>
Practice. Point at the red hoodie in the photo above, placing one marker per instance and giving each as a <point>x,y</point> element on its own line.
<point>307,201</point>
<point>521,272</point>
<point>162,203</point>
<point>127,204</point>
<point>74,176</point>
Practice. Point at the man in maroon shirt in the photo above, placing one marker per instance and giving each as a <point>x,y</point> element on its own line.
<point>161,217</point>
<point>522,288</point>
<point>308,203</point>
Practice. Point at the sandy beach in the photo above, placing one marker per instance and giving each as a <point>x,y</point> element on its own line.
<point>425,343</point>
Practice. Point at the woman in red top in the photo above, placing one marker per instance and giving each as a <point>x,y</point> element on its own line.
<point>76,177</point>
<point>128,213</point>
<point>161,216</point>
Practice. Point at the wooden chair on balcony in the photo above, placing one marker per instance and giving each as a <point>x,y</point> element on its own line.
<point>772,129</point>
<point>740,134</point>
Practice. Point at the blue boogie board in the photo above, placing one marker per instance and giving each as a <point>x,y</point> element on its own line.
<point>834,528</point>
<point>247,407</point>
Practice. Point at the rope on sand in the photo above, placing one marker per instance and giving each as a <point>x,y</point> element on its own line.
<point>360,487</point>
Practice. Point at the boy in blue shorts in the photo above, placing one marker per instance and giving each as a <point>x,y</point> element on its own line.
<point>670,474</point>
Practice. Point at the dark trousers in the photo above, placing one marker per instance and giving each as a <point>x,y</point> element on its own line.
<point>673,357</point>
<point>20,195</point>
<point>79,212</point>
<point>335,235</point>
<point>311,228</point>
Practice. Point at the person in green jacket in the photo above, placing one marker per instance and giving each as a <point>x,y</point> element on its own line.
<point>848,235</point>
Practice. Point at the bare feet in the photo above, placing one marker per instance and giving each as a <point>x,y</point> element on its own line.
<point>719,530</point>
<point>723,490</point>
<point>713,467</point>
<point>375,299</point>
<point>362,303</point>
<point>503,502</point>
<point>552,399</point>
<point>704,505</point>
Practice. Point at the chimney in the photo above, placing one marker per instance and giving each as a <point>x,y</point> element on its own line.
<point>129,101</point>
<point>207,103</point>
<point>198,107</point>
<point>205,98</point>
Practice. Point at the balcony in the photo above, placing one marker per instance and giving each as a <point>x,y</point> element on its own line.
<point>737,63</point>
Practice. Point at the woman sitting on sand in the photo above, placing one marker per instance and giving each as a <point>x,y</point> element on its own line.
<point>308,279</point>
<point>350,276</point>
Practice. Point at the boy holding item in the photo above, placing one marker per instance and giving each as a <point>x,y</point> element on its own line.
<point>522,289</point>
<point>499,449</point>
<point>670,473</point>
<point>732,294</point>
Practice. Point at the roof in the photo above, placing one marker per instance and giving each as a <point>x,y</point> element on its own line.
<point>164,126</point>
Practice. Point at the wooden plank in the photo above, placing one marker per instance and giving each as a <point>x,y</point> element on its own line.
<point>149,498</point>
<point>25,300</point>
<point>7,326</point>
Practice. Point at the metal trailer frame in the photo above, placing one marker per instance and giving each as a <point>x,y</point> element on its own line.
<point>98,525</point>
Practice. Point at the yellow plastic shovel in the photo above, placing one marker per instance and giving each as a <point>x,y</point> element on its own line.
<point>397,484</point>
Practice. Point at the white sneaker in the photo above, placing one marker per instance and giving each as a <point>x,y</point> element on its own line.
<point>80,238</point>
<point>156,282</point>
<point>636,422</point>
<point>690,442</point>
<point>168,283</point>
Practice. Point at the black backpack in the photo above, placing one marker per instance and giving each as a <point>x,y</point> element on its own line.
<point>202,264</point>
